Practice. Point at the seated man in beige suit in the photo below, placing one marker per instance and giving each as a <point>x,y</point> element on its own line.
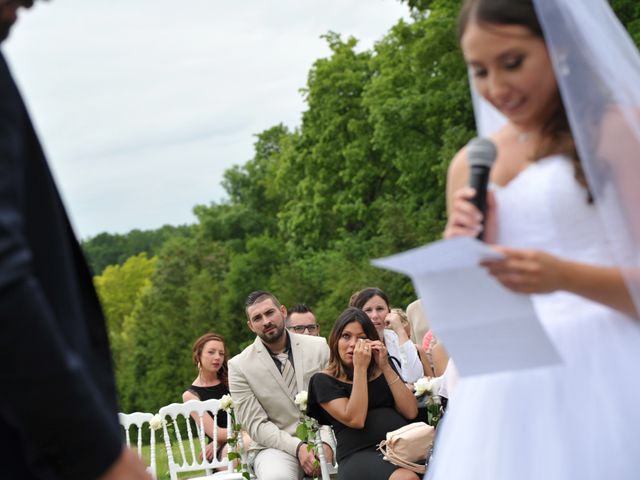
<point>264,380</point>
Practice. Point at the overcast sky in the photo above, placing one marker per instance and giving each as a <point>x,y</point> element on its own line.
<point>142,104</point>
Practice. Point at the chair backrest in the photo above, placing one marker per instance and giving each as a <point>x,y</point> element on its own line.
<point>327,470</point>
<point>196,443</point>
<point>139,419</point>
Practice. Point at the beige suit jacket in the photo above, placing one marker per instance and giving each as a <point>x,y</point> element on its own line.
<point>262,401</point>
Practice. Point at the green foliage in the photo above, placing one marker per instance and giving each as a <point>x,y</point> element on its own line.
<point>335,172</point>
<point>628,11</point>
<point>420,75</point>
<point>249,271</point>
<point>421,6</point>
<point>113,249</point>
<point>120,289</point>
<point>179,306</point>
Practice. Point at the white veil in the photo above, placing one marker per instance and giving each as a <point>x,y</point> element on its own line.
<point>597,68</point>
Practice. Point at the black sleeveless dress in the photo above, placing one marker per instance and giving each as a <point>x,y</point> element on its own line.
<point>356,450</point>
<point>207,393</point>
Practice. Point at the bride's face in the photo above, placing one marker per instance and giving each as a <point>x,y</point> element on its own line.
<point>510,67</point>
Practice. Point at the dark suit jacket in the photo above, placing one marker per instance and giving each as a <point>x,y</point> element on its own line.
<point>57,395</point>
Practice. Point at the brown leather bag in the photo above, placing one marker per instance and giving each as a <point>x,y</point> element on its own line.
<point>409,446</point>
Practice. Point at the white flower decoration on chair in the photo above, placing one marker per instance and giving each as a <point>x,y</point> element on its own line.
<point>226,403</point>
<point>156,422</point>
<point>427,385</point>
<point>301,400</point>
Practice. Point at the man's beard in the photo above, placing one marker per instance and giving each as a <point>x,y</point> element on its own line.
<point>273,337</point>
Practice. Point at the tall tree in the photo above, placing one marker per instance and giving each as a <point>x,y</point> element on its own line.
<point>338,172</point>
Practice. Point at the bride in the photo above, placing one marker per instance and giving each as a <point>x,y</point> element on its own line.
<point>563,210</point>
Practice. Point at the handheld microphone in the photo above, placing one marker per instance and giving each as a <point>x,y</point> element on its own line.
<point>481,153</point>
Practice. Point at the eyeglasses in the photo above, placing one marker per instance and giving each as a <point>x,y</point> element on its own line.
<point>312,328</point>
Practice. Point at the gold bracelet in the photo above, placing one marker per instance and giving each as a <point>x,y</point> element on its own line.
<point>394,380</point>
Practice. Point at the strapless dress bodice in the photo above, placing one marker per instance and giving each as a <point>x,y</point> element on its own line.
<point>544,207</point>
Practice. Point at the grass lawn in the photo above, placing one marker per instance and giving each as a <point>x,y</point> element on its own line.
<point>162,465</point>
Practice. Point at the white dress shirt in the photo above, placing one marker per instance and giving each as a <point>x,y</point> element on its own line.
<point>410,364</point>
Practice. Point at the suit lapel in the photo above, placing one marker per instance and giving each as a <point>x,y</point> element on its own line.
<point>265,357</point>
<point>298,361</point>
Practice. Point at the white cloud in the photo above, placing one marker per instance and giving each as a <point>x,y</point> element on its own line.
<point>142,104</point>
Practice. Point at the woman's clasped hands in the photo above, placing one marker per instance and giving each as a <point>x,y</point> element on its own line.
<point>362,354</point>
<point>380,355</point>
<point>366,349</point>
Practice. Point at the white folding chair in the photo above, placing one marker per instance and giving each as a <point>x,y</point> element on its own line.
<point>194,463</point>
<point>139,419</point>
<point>327,470</point>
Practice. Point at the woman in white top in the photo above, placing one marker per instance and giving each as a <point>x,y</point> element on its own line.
<point>375,303</point>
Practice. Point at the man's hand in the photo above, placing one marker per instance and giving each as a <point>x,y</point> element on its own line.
<point>127,467</point>
<point>328,453</point>
<point>307,460</point>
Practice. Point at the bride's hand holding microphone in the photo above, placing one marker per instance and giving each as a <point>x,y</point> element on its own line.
<point>465,220</point>
<point>470,205</point>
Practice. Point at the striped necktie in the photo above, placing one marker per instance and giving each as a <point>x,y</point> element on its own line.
<point>288,373</point>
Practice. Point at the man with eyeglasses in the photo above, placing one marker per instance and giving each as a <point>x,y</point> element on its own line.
<point>58,408</point>
<point>300,319</point>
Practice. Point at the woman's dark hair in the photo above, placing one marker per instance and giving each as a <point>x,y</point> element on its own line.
<point>336,366</point>
<point>196,354</point>
<point>556,132</point>
<point>361,297</point>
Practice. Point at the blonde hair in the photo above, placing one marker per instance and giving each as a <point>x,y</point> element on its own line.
<point>403,318</point>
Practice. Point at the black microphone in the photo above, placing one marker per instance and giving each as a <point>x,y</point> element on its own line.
<point>481,153</point>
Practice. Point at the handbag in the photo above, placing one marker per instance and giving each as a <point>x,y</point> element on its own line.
<point>409,446</point>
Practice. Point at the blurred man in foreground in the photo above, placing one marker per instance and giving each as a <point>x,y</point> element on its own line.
<point>58,411</point>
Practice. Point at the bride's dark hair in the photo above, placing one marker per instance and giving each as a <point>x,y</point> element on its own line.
<point>556,132</point>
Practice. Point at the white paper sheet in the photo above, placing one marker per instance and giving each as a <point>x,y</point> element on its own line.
<point>485,327</point>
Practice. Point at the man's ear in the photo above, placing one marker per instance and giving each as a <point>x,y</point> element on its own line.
<point>250,326</point>
<point>283,310</point>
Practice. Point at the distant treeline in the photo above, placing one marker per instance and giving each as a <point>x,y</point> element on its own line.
<point>107,249</point>
<point>363,176</point>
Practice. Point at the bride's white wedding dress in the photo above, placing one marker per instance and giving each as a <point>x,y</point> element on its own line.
<point>577,421</point>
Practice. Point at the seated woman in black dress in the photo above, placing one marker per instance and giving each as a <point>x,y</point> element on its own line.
<point>210,355</point>
<point>362,397</point>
